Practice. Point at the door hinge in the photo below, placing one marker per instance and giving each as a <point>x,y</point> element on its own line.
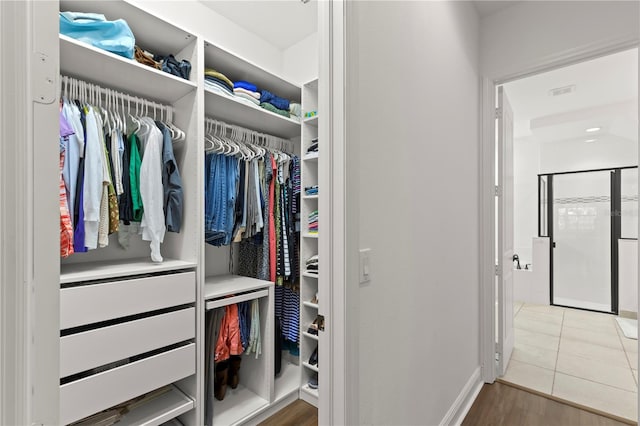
<point>497,270</point>
<point>44,78</point>
<point>498,112</point>
<point>497,191</point>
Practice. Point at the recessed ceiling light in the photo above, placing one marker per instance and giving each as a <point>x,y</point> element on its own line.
<point>592,129</point>
<point>590,140</point>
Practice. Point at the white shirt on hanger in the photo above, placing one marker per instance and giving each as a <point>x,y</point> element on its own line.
<point>93,179</point>
<point>152,226</point>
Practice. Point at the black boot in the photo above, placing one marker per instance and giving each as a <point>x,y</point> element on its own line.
<point>234,366</point>
<point>220,382</point>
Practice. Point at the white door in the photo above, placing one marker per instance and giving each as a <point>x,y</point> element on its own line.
<point>505,231</point>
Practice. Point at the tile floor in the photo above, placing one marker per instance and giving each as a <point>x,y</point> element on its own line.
<point>575,355</point>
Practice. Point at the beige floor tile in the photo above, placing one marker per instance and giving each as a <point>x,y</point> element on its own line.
<point>539,340</point>
<point>547,309</point>
<point>596,371</point>
<point>593,352</point>
<point>540,317</point>
<point>530,376</point>
<point>534,355</point>
<point>533,324</point>
<point>600,338</point>
<point>601,397</point>
<point>589,317</point>
<point>600,326</point>
<point>633,359</point>
<point>516,307</point>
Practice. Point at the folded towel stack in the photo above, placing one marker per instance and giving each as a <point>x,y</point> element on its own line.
<point>217,81</point>
<point>313,222</point>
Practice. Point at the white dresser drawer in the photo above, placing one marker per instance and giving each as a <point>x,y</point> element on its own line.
<point>95,393</point>
<point>90,349</point>
<point>93,303</point>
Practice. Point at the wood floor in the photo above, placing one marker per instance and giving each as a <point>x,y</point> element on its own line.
<point>299,413</point>
<point>500,404</point>
<point>497,405</point>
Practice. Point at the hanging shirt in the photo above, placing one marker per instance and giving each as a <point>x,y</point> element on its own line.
<point>135,161</point>
<point>93,180</point>
<point>152,191</point>
<point>171,182</point>
<point>73,152</point>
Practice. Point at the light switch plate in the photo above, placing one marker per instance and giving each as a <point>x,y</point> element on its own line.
<point>365,265</point>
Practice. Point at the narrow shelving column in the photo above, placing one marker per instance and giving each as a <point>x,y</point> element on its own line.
<point>309,297</point>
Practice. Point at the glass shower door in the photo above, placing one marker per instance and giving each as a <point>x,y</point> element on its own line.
<point>582,240</point>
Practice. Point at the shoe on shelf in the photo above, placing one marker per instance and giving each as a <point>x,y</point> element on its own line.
<point>313,381</point>
<point>313,359</point>
<point>313,328</point>
<point>315,299</point>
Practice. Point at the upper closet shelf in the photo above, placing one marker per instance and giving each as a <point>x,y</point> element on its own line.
<point>229,110</point>
<point>224,285</point>
<point>151,32</point>
<point>237,68</point>
<point>83,61</point>
<point>78,272</point>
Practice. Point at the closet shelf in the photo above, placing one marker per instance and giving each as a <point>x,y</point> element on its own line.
<point>87,271</point>
<point>312,121</point>
<point>238,406</point>
<point>225,301</point>
<point>83,61</point>
<point>309,197</point>
<point>237,68</point>
<point>311,305</point>
<point>310,336</point>
<point>310,274</point>
<point>311,157</point>
<point>232,111</point>
<point>309,391</point>
<point>287,382</point>
<point>146,26</point>
<point>310,367</point>
<point>311,236</point>
<point>224,285</point>
<point>159,410</point>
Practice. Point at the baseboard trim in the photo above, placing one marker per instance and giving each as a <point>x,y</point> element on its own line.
<point>567,402</point>
<point>628,314</point>
<point>465,400</point>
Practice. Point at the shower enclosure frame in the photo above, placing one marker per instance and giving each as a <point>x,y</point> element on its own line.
<point>546,225</point>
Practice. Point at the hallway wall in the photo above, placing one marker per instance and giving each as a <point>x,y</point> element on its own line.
<point>413,107</point>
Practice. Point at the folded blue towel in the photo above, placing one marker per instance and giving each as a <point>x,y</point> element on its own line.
<point>245,85</point>
<point>93,28</point>
<point>274,100</point>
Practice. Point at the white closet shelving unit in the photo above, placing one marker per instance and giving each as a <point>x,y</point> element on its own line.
<point>259,390</point>
<point>129,326</point>
<point>116,305</point>
<point>309,289</point>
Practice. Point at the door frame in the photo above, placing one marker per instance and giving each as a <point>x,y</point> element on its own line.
<point>487,170</point>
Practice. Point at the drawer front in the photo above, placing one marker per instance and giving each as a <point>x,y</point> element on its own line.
<point>84,351</point>
<point>98,392</point>
<point>100,302</point>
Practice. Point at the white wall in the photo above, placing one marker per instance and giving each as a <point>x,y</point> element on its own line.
<point>526,167</point>
<point>523,35</point>
<point>215,28</point>
<point>413,107</point>
<point>300,61</point>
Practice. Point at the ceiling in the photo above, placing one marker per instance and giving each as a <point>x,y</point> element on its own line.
<point>489,7</point>
<point>281,23</point>
<point>605,95</point>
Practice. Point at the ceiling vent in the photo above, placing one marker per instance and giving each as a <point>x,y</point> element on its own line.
<point>559,91</point>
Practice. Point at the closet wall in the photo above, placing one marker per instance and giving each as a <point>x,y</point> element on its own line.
<point>418,317</point>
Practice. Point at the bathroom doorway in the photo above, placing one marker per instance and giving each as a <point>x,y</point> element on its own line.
<point>575,186</point>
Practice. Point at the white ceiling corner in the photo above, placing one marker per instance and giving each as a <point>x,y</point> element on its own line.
<point>281,23</point>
